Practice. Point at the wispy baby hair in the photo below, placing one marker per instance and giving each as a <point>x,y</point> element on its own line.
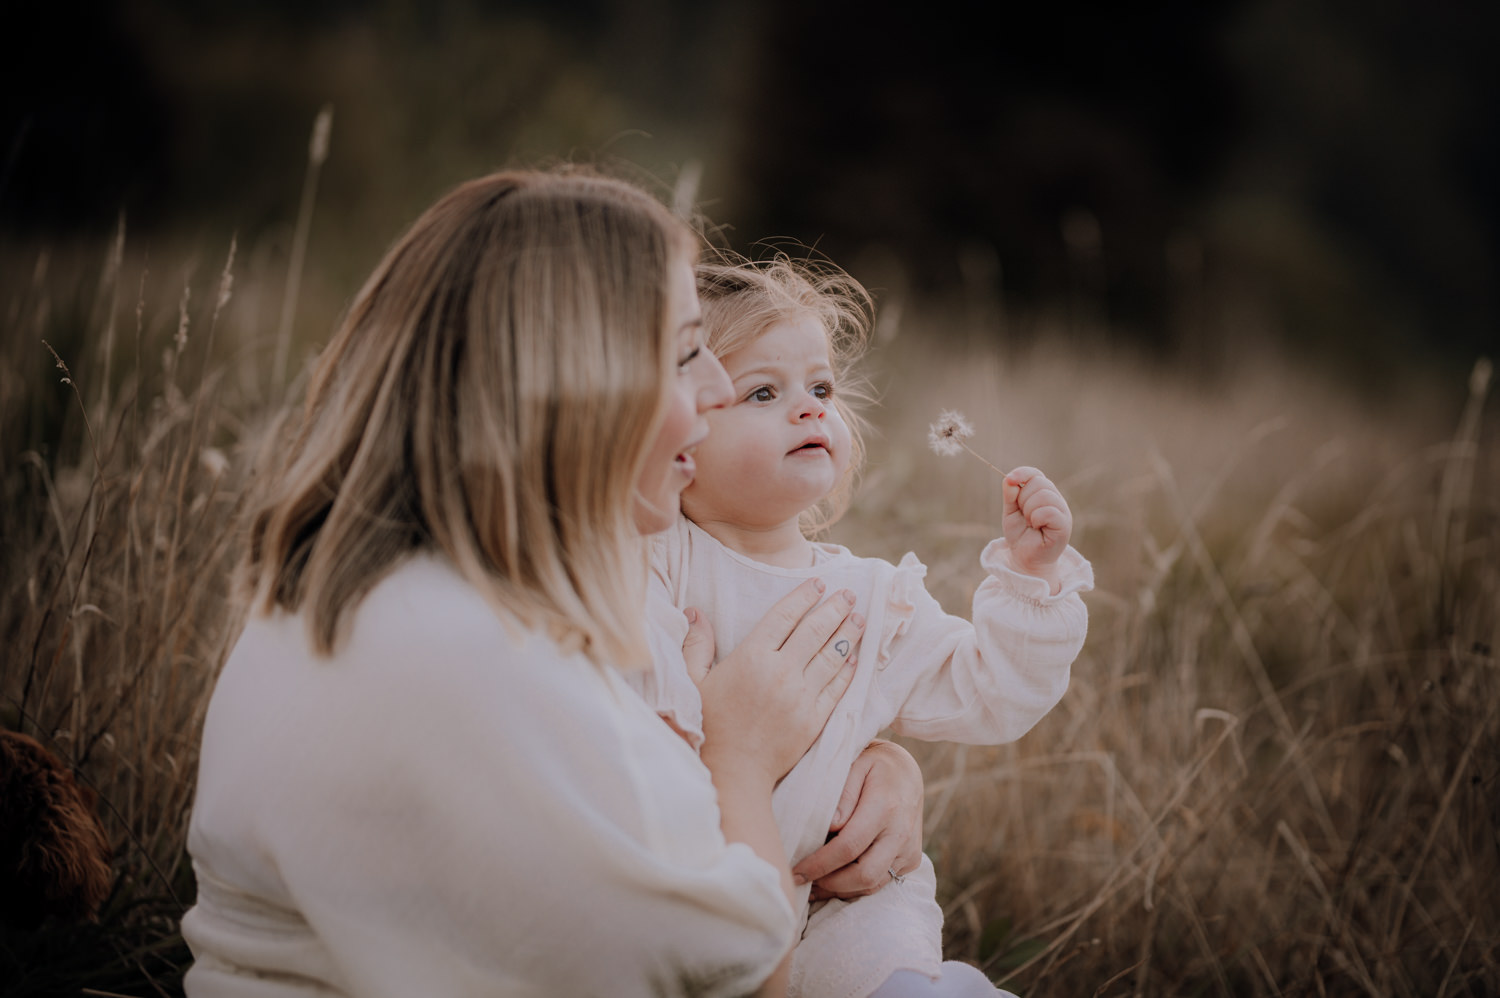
<point>742,299</point>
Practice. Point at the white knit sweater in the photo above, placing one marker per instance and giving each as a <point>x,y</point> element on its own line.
<point>450,807</point>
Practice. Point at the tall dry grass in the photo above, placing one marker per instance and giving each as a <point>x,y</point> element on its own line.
<point>121,473</point>
<point>1275,772</point>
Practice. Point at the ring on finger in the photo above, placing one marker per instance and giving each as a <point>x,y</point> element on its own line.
<point>898,878</point>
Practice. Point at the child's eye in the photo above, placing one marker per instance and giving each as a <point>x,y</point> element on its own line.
<point>762,394</point>
<point>823,390</point>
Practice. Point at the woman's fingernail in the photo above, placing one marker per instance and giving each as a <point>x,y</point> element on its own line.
<point>857,620</point>
<point>691,614</point>
<point>848,597</point>
<point>798,879</point>
<point>820,584</point>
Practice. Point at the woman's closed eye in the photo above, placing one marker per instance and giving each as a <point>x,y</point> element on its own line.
<point>684,361</point>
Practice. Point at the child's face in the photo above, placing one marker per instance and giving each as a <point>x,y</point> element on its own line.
<point>781,445</point>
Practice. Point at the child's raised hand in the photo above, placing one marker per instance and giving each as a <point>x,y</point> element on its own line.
<point>1037,524</point>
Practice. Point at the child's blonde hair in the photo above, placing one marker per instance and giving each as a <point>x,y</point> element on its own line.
<point>491,395</point>
<point>742,299</point>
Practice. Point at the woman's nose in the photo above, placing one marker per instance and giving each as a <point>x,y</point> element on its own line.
<point>715,390</point>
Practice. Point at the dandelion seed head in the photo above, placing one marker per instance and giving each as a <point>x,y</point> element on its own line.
<point>946,436</point>
<point>214,462</point>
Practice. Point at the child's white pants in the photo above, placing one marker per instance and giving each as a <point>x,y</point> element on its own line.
<point>959,980</point>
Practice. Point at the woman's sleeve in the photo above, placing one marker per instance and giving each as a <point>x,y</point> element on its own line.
<point>534,829</point>
<point>990,681</point>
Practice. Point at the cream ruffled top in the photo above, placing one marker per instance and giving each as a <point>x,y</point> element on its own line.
<point>922,673</point>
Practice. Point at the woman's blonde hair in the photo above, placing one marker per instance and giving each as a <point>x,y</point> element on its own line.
<point>742,299</point>
<point>491,395</point>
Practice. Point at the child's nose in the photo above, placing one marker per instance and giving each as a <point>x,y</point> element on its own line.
<point>812,407</point>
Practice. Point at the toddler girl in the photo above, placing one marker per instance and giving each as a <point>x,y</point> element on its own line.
<point>777,465</point>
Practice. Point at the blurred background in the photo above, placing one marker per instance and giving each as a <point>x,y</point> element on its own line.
<point>1191,179</point>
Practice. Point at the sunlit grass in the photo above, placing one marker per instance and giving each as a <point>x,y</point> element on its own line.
<point>1275,771</point>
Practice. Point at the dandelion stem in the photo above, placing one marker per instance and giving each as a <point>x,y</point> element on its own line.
<point>981,458</point>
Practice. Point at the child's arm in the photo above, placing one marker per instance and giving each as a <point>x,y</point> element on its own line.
<point>990,681</point>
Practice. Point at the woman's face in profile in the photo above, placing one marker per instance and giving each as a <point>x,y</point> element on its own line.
<point>698,384</point>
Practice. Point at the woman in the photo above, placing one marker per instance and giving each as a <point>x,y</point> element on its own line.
<point>421,773</point>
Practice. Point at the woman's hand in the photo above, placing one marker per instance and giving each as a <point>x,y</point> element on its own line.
<point>767,701</point>
<point>1037,524</point>
<point>877,827</point>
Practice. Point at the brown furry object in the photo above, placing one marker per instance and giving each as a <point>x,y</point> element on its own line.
<point>54,855</point>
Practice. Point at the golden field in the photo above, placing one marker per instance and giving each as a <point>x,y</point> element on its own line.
<point>1276,772</point>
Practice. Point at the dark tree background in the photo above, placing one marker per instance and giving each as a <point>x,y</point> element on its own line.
<point>1334,162</point>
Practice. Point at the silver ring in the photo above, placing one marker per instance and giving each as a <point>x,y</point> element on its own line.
<point>898,878</point>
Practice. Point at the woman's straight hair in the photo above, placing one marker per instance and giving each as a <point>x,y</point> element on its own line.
<point>490,395</point>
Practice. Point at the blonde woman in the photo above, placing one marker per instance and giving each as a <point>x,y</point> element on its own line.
<point>421,772</point>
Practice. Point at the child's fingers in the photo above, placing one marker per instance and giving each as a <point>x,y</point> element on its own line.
<point>1015,484</point>
<point>1050,520</point>
<point>1038,496</point>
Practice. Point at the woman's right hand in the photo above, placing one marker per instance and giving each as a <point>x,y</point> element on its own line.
<point>767,701</point>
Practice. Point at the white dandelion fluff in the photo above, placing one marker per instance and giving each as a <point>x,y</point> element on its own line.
<point>947,435</point>
<point>214,462</point>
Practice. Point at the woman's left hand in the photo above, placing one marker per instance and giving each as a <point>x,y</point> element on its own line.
<point>877,828</point>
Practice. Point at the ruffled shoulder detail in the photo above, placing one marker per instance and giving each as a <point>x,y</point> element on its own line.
<point>906,578</point>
